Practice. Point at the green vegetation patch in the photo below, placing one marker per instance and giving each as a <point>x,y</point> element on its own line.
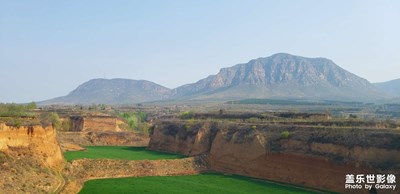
<point>135,121</point>
<point>17,110</point>
<point>119,152</point>
<point>202,183</point>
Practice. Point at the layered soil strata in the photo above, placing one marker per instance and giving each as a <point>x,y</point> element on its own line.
<point>313,156</point>
<point>95,123</point>
<point>103,138</point>
<point>41,141</point>
<point>30,159</point>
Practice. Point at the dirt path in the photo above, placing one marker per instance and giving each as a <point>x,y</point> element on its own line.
<point>62,183</point>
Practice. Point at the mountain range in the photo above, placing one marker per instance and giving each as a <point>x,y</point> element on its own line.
<point>280,76</point>
<point>391,87</point>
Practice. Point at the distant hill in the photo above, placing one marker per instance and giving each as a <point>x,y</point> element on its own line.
<point>391,87</point>
<point>113,91</point>
<point>281,76</point>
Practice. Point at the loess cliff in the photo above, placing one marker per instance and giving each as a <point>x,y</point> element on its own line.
<point>95,123</point>
<point>100,130</point>
<point>40,140</point>
<point>30,159</point>
<point>312,156</point>
<point>103,138</point>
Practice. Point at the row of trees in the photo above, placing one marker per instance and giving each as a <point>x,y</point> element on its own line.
<point>17,110</point>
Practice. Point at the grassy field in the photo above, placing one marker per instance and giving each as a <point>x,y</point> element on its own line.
<point>119,152</point>
<point>202,183</point>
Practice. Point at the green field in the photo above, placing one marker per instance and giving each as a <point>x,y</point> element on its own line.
<point>119,152</point>
<point>202,183</point>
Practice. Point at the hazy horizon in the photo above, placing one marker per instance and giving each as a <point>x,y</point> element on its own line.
<point>48,48</point>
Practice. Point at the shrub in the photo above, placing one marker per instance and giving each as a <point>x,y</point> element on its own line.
<point>14,122</point>
<point>135,121</point>
<point>130,119</point>
<point>142,116</point>
<point>285,134</point>
<point>52,119</point>
<point>351,116</point>
<point>31,106</point>
<point>187,115</point>
<point>253,120</point>
<point>66,125</point>
<point>145,128</point>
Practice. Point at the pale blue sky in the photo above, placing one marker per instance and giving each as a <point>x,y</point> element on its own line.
<point>48,48</point>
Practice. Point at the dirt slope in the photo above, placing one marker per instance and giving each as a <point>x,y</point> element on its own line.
<point>30,159</point>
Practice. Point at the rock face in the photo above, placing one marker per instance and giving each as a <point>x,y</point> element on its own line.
<point>30,160</point>
<point>175,137</point>
<point>317,157</point>
<point>391,87</point>
<point>103,138</point>
<point>40,141</point>
<point>281,76</point>
<point>95,123</point>
<point>113,91</point>
<point>100,130</point>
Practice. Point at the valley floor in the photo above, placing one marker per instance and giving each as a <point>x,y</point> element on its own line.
<point>191,184</point>
<point>124,169</point>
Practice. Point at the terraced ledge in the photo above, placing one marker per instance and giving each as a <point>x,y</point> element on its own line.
<point>86,169</point>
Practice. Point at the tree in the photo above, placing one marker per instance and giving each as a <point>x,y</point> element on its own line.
<point>187,115</point>
<point>66,125</point>
<point>352,116</point>
<point>31,106</point>
<point>142,116</point>
<point>131,119</point>
<point>13,110</point>
<point>52,119</point>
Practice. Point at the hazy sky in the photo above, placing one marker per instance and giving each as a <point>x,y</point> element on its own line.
<point>48,48</point>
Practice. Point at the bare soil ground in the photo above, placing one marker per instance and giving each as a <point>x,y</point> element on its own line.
<point>20,172</point>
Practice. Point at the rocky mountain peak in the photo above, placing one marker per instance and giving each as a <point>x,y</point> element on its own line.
<point>280,72</point>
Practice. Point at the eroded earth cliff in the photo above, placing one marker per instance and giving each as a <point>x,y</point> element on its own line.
<point>308,155</point>
<point>30,159</point>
